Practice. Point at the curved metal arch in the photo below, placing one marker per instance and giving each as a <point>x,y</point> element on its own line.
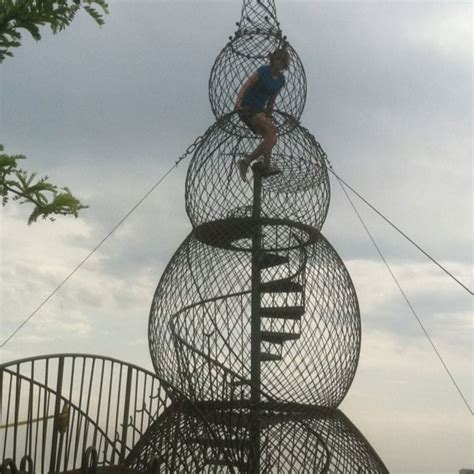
<point>76,355</point>
<point>104,396</point>
<point>65,400</point>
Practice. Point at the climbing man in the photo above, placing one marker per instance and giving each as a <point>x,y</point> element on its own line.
<point>255,105</point>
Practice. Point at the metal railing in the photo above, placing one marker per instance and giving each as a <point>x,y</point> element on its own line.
<point>52,408</point>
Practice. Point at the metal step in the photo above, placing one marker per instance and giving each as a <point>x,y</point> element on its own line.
<point>278,337</point>
<point>229,419</point>
<point>237,383</point>
<point>234,443</point>
<point>281,286</point>
<point>243,420</point>
<point>269,260</point>
<point>267,356</point>
<point>240,465</point>
<point>271,172</point>
<point>265,172</point>
<point>243,232</point>
<point>223,232</point>
<point>285,312</point>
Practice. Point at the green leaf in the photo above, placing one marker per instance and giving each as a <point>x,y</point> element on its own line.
<point>24,187</point>
<point>30,15</point>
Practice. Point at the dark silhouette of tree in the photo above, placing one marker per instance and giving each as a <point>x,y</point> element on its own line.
<point>16,184</point>
<point>30,15</point>
<point>19,185</point>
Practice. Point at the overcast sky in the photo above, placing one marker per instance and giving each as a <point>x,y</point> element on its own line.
<point>106,111</point>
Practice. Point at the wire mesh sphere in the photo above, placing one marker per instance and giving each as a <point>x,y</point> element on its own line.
<point>216,192</point>
<point>167,444</point>
<point>240,58</point>
<point>200,324</point>
<point>217,438</point>
<point>315,440</point>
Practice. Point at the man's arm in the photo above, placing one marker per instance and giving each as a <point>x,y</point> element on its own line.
<point>270,104</point>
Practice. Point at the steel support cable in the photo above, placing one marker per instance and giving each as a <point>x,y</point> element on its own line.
<point>403,293</point>
<point>189,150</point>
<point>400,231</point>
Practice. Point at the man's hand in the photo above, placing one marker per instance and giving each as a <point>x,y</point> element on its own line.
<point>269,112</point>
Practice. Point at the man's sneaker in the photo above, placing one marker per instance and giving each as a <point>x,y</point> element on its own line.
<point>243,168</point>
<point>270,171</point>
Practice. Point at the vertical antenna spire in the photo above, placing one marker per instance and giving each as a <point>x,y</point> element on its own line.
<point>259,14</point>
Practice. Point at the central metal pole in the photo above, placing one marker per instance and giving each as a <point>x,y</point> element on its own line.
<point>255,341</point>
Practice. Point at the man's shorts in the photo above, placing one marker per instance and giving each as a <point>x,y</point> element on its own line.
<point>247,114</point>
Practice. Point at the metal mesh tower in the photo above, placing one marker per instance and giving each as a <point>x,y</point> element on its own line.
<point>255,320</point>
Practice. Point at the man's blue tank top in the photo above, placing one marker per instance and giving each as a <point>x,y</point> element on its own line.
<point>265,87</point>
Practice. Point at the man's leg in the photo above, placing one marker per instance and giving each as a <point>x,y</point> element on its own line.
<point>267,130</point>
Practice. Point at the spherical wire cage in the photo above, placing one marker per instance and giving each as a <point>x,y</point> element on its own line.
<point>240,58</point>
<point>296,439</point>
<point>199,325</point>
<point>215,193</point>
